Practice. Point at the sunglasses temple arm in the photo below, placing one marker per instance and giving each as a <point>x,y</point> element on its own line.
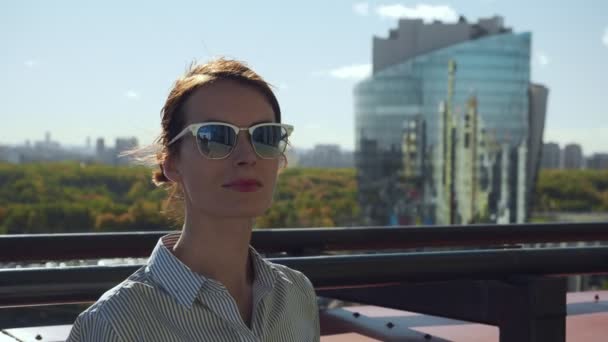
<point>181,134</point>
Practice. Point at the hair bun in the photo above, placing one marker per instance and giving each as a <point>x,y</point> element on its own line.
<point>159,178</point>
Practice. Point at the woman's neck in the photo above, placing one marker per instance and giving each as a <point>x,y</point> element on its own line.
<point>218,248</point>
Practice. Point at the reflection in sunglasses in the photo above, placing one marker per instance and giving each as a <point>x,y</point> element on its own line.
<point>216,149</point>
<point>267,150</point>
<point>218,140</point>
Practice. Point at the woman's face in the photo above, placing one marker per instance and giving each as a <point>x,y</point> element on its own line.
<point>205,181</point>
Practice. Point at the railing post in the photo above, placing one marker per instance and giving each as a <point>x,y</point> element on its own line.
<point>533,309</point>
<point>524,308</point>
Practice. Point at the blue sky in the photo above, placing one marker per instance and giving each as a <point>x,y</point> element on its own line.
<point>103,69</point>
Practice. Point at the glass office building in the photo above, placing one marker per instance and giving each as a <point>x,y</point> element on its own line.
<point>491,65</point>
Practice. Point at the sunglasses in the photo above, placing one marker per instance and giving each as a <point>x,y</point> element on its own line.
<point>216,140</point>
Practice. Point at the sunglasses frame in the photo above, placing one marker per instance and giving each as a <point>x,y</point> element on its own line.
<point>193,129</point>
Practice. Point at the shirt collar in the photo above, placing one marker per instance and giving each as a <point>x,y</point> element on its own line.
<point>180,282</point>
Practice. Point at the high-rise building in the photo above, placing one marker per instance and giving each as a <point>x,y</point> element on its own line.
<point>100,147</point>
<point>413,146</point>
<point>4,152</point>
<point>325,155</point>
<point>467,189</point>
<point>573,156</point>
<point>419,67</point>
<point>124,145</point>
<point>537,112</point>
<point>47,146</point>
<point>598,161</point>
<point>551,156</point>
<point>102,153</point>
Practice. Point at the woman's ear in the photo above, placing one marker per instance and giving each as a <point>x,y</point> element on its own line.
<point>170,170</point>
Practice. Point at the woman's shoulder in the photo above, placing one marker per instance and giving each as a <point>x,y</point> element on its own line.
<point>113,314</point>
<point>294,277</point>
<point>119,299</point>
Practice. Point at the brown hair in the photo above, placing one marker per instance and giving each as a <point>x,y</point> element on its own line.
<point>173,115</point>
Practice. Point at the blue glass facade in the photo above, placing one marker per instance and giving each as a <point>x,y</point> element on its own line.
<point>495,69</point>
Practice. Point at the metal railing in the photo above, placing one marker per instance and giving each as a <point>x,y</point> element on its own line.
<point>296,241</point>
<point>519,289</point>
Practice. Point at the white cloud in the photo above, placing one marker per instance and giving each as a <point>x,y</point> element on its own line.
<point>543,59</point>
<point>427,13</point>
<point>605,37</point>
<point>30,63</point>
<point>361,8</point>
<point>349,72</point>
<point>131,94</point>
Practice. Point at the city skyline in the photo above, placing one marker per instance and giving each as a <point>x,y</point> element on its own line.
<point>90,144</point>
<point>80,71</point>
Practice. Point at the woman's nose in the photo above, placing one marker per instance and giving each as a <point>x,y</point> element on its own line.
<point>244,153</point>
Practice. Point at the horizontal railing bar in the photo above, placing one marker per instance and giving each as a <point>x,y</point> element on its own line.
<point>81,284</point>
<point>299,241</point>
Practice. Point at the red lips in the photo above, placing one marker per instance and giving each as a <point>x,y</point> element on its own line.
<point>244,185</point>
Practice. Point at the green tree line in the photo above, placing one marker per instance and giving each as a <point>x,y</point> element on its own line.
<point>571,191</point>
<point>73,197</point>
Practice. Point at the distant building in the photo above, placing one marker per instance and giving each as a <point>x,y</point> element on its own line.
<point>538,96</point>
<point>104,154</point>
<point>407,206</point>
<point>467,194</point>
<point>124,145</point>
<point>598,161</point>
<point>413,146</point>
<point>47,147</point>
<point>419,67</point>
<point>48,150</point>
<point>551,156</point>
<point>4,153</point>
<point>413,38</point>
<point>573,156</point>
<point>113,156</point>
<point>45,150</point>
<point>100,147</point>
<point>326,156</point>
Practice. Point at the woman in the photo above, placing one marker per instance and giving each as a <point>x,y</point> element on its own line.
<point>222,146</point>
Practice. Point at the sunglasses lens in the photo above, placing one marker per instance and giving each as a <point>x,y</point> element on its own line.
<point>269,141</point>
<point>215,141</point>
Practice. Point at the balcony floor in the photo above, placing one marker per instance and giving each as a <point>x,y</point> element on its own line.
<point>587,321</point>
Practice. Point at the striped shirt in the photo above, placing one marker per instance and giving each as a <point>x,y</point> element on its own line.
<point>165,301</point>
